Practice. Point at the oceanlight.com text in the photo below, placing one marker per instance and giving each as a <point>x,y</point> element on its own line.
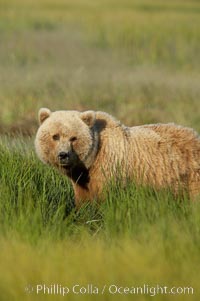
<point>109,289</point>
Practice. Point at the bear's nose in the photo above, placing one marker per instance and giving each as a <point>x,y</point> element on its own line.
<point>63,155</point>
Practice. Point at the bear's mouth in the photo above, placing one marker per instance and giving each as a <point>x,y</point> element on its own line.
<point>64,164</point>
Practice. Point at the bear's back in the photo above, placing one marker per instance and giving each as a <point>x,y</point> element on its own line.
<point>176,135</point>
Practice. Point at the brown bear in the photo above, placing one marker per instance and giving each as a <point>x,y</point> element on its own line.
<point>93,147</point>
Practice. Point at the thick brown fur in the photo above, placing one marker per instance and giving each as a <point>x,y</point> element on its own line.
<point>158,155</point>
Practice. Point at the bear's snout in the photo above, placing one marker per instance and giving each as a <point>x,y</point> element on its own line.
<point>64,157</point>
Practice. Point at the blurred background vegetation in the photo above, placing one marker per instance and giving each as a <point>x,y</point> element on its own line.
<point>136,59</point>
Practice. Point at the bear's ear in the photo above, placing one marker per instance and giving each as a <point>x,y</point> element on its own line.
<point>43,114</point>
<point>88,117</point>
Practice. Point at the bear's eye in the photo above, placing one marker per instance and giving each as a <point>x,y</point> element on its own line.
<point>56,137</point>
<point>72,139</point>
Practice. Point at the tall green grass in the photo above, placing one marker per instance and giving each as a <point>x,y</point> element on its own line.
<point>138,236</point>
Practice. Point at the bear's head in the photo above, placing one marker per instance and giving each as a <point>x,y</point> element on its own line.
<point>66,138</point>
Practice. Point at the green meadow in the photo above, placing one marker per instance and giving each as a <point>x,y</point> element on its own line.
<point>138,60</point>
